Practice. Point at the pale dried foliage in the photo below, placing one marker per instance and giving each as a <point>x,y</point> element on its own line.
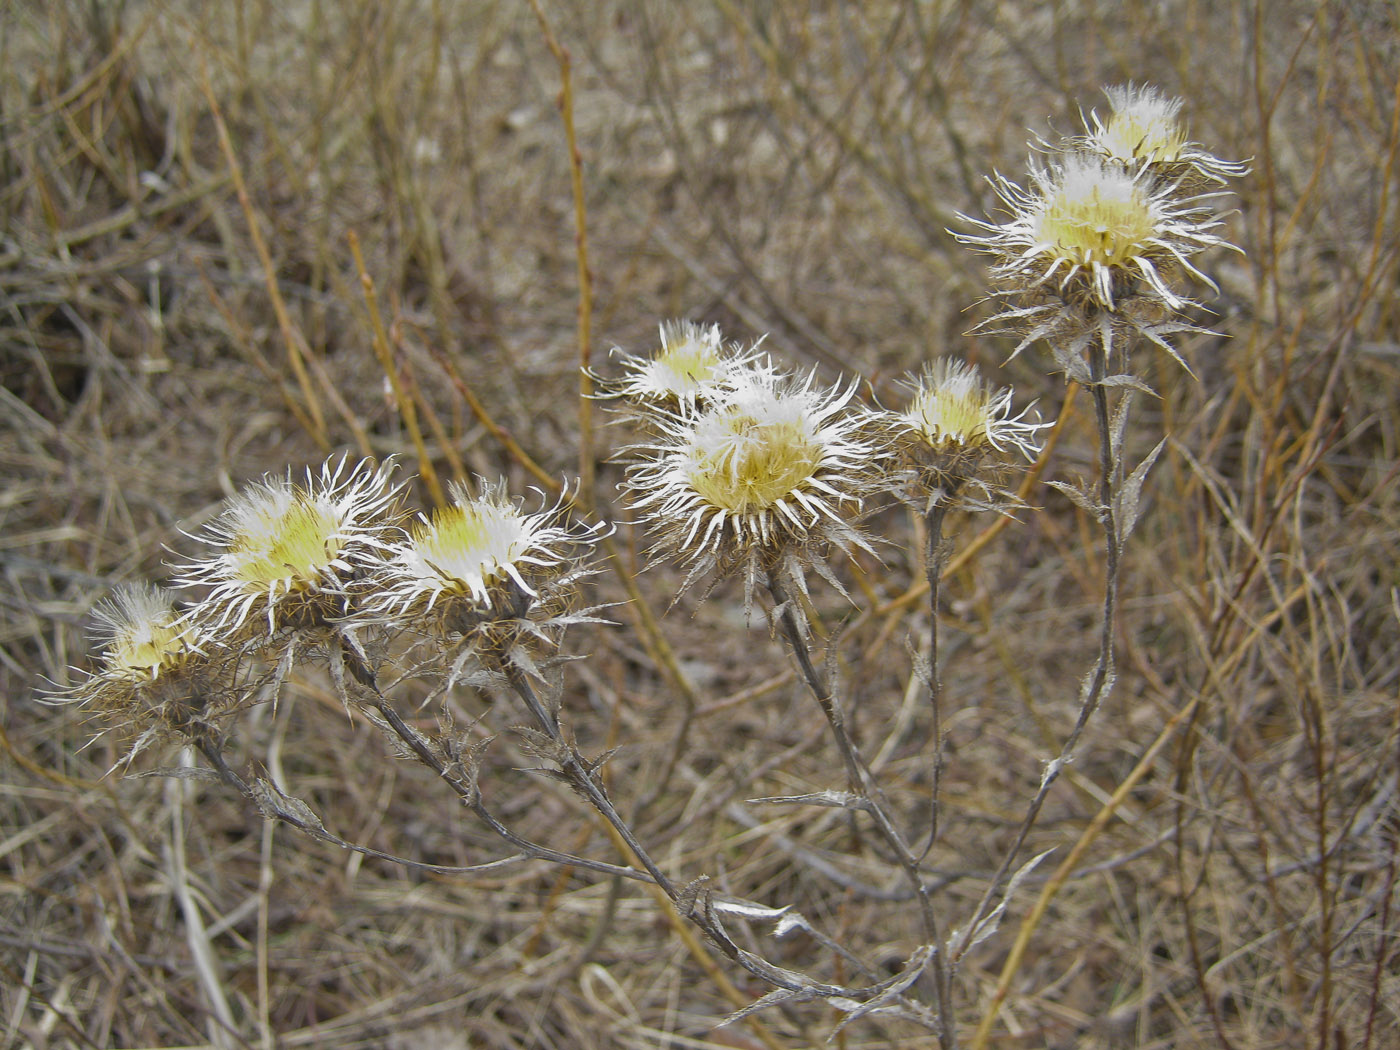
<point>782,168</point>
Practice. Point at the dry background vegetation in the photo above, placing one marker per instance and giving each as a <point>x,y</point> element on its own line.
<point>788,168</point>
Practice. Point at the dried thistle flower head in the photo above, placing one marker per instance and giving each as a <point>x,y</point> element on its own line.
<point>770,468</point>
<point>142,634</point>
<point>158,672</point>
<point>1091,247</point>
<point>953,421</point>
<point>692,365</point>
<point>954,410</point>
<point>1144,126</point>
<point>286,552</point>
<point>485,571</point>
<point>474,549</point>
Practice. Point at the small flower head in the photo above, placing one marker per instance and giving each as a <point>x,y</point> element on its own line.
<point>692,366</point>
<point>158,673</point>
<point>286,552</point>
<point>476,549</point>
<point>487,572</point>
<point>142,634</point>
<point>772,466</point>
<point>953,421</point>
<point>1144,127</point>
<point>953,410</point>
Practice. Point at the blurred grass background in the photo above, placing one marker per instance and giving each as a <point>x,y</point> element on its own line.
<point>784,168</point>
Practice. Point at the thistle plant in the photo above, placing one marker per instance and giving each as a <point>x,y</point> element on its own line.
<point>738,467</point>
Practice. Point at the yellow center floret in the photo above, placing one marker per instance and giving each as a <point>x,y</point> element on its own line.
<point>287,541</point>
<point>745,465</point>
<point>1147,135</point>
<point>951,409</point>
<point>467,547</point>
<point>143,649</point>
<point>1096,216</point>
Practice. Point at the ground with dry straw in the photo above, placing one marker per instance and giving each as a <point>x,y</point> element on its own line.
<point>238,238</point>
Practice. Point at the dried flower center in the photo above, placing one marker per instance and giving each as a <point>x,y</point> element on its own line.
<point>743,464</point>
<point>141,649</point>
<point>1150,135</point>
<point>686,367</point>
<point>470,543</point>
<point>283,541</point>
<point>1096,217</point>
<point>953,412</point>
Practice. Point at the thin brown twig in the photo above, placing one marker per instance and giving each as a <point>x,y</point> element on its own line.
<point>585,276</point>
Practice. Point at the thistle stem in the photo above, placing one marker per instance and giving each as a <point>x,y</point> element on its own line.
<point>862,783</point>
<point>934,559</point>
<point>585,778</point>
<point>1099,680</point>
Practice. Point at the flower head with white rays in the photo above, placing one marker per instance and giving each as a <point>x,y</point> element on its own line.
<point>693,365</point>
<point>483,567</point>
<point>771,468</point>
<point>954,410</point>
<point>1094,233</point>
<point>287,552</point>
<point>953,421</point>
<point>142,634</point>
<point>158,674</point>
<point>1144,126</point>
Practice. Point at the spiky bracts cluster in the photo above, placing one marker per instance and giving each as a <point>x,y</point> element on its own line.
<point>1103,239</point>
<point>768,472</point>
<point>494,579</point>
<point>288,554</point>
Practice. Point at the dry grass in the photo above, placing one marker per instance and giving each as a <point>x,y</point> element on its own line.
<point>786,168</point>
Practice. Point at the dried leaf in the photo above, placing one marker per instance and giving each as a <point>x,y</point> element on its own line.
<point>1132,491</point>
<point>1079,498</point>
